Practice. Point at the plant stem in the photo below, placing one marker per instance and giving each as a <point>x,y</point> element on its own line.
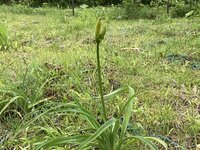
<point>73,8</point>
<point>100,84</point>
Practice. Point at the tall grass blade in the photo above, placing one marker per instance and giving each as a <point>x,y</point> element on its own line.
<point>38,102</point>
<point>8,103</point>
<point>3,36</point>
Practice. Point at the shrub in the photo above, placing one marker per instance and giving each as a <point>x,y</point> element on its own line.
<point>5,1</point>
<point>180,11</point>
<point>61,3</point>
<point>138,11</point>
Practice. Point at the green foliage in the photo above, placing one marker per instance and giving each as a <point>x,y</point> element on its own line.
<point>60,3</point>
<point>112,135</point>
<point>138,11</point>
<point>134,52</point>
<point>25,94</point>
<point>189,14</point>
<point>3,37</point>
<point>180,11</point>
<point>5,1</point>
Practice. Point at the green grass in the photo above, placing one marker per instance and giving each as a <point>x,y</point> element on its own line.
<point>51,53</point>
<point>3,37</point>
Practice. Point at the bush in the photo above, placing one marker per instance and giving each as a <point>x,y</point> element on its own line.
<point>146,2</point>
<point>5,1</point>
<point>138,11</point>
<point>180,11</point>
<point>39,3</point>
<point>61,3</point>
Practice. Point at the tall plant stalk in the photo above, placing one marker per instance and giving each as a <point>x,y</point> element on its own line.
<point>100,83</point>
<point>168,7</point>
<point>99,35</point>
<point>73,13</point>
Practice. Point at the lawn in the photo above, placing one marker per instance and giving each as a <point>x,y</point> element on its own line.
<point>52,53</point>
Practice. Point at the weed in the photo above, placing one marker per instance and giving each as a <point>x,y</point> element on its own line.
<point>109,133</point>
<point>180,11</point>
<point>137,11</point>
<point>25,94</point>
<point>3,37</point>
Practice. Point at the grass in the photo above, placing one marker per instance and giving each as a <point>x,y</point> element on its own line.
<point>3,37</point>
<point>50,48</point>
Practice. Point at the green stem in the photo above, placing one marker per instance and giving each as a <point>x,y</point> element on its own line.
<point>100,84</point>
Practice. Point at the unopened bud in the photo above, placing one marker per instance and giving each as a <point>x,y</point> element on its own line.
<point>98,28</point>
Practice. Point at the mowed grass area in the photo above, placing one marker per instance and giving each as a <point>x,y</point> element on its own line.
<point>52,53</point>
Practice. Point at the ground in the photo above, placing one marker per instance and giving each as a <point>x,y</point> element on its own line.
<point>52,52</point>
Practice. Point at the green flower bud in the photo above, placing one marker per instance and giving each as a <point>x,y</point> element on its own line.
<point>102,34</point>
<point>98,28</point>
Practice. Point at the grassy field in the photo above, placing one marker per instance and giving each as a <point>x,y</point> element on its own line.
<point>51,53</point>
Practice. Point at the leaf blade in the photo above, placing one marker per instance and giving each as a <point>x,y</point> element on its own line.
<point>127,115</point>
<point>105,126</point>
<point>63,140</point>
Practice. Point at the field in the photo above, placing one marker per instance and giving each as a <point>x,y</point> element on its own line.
<point>52,53</point>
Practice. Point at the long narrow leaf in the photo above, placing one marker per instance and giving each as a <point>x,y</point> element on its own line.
<point>41,87</point>
<point>39,101</point>
<point>66,108</point>
<point>115,131</point>
<point>74,110</point>
<point>12,100</point>
<point>128,111</point>
<point>105,126</point>
<point>130,140</point>
<point>76,98</point>
<point>63,140</point>
<point>157,140</point>
<point>116,92</point>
